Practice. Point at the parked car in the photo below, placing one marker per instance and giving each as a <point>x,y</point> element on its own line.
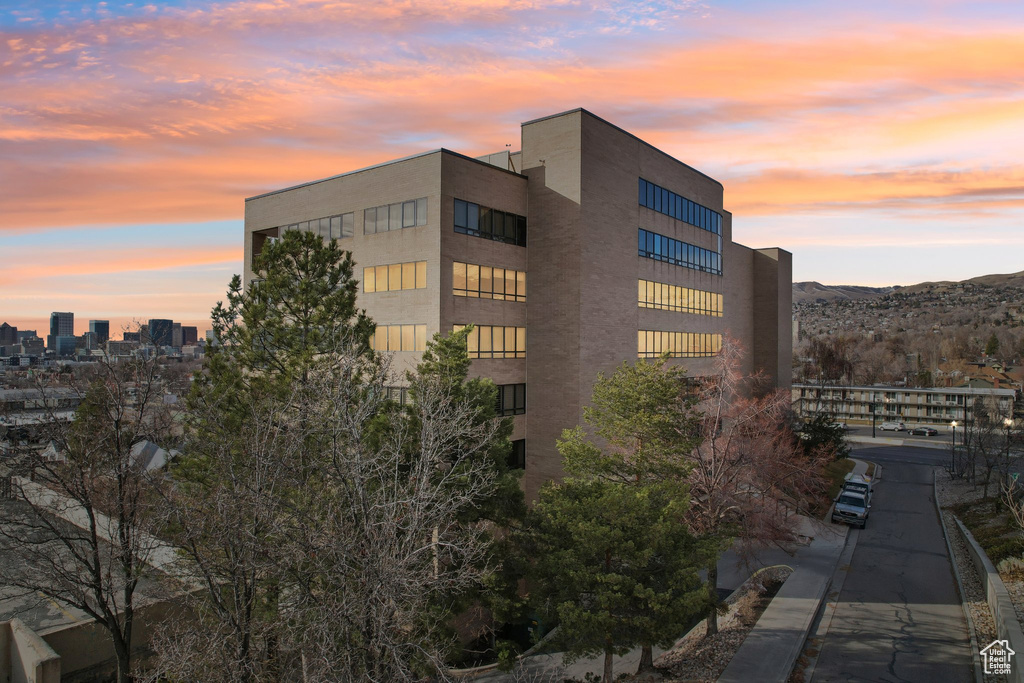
<point>893,427</point>
<point>924,431</point>
<point>851,508</point>
<point>859,484</point>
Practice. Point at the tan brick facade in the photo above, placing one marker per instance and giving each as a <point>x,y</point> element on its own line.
<point>576,181</point>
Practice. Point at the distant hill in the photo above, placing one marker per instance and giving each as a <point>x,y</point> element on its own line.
<point>813,291</point>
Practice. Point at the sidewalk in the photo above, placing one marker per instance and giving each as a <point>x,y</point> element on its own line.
<point>772,647</point>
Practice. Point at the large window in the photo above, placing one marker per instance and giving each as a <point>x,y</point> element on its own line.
<point>407,214</point>
<point>481,221</point>
<point>330,227</point>
<point>487,282</point>
<point>653,343</point>
<point>661,248</point>
<point>489,341</point>
<point>666,297</point>
<point>511,399</point>
<point>671,204</point>
<point>517,456</point>
<point>395,276</point>
<point>399,338</point>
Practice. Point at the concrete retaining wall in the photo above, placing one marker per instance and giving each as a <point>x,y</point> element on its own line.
<point>25,657</point>
<point>1003,613</point>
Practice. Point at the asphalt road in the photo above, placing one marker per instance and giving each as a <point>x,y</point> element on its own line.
<point>898,617</point>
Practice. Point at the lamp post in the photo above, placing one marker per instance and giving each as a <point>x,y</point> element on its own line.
<point>1008,423</point>
<point>952,454</point>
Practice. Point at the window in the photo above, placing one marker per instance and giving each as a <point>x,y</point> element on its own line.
<point>408,214</point>
<point>399,338</point>
<point>395,277</point>
<point>488,341</point>
<point>671,204</point>
<point>661,248</point>
<point>481,221</point>
<point>517,456</point>
<point>329,227</point>
<point>666,297</point>
<point>511,399</point>
<point>488,282</point>
<point>653,343</point>
<point>399,395</point>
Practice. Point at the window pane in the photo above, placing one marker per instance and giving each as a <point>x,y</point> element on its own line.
<point>325,228</point>
<point>510,284</point>
<point>408,337</point>
<point>408,214</point>
<point>486,284</point>
<point>395,217</point>
<point>510,227</point>
<point>643,192</point>
<point>510,342</point>
<point>472,216</point>
<point>521,230</point>
<point>369,281</point>
<point>460,214</point>
<point>520,342</point>
<point>473,279</point>
<point>335,231</point>
<point>380,338</point>
<point>394,337</point>
<point>382,219</point>
<point>369,221</point>
<point>521,285</point>
<point>421,337</point>
<point>641,342</point>
<point>485,220</point>
<point>473,343</point>
<point>485,341</point>
<point>458,276</point>
<point>409,275</point>
<point>382,278</point>
<point>394,277</point>
<point>421,274</point>
<point>421,211</point>
<point>348,225</point>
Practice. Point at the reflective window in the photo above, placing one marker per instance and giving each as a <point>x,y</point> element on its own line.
<point>395,277</point>
<point>399,338</point>
<point>481,221</point>
<point>491,341</point>
<point>511,399</point>
<point>487,282</point>
<point>329,227</point>
<point>407,214</point>
<point>678,253</point>
<point>671,204</point>
<point>653,343</point>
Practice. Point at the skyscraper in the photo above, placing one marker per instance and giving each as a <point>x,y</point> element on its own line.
<point>8,335</point>
<point>101,328</point>
<point>160,331</point>
<point>61,325</point>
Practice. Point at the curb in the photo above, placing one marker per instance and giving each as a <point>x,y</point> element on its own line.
<point>777,650</point>
<point>975,650</point>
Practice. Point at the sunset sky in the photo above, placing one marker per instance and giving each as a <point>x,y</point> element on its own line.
<point>880,142</point>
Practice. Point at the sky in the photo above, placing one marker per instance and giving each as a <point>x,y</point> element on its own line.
<point>880,142</point>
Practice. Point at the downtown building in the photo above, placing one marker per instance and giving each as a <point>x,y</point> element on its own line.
<point>586,248</point>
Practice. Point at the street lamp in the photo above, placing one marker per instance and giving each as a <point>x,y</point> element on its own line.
<point>952,454</point>
<point>1008,423</point>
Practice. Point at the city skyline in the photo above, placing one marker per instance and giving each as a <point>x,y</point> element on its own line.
<point>869,141</point>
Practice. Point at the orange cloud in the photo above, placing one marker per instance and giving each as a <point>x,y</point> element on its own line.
<point>34,265</point>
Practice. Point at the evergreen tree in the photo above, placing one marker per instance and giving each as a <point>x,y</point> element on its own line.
<point>613,560</point>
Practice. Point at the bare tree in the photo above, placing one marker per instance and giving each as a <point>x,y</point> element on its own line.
<point>747,472</point>
<point>83,527</point>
